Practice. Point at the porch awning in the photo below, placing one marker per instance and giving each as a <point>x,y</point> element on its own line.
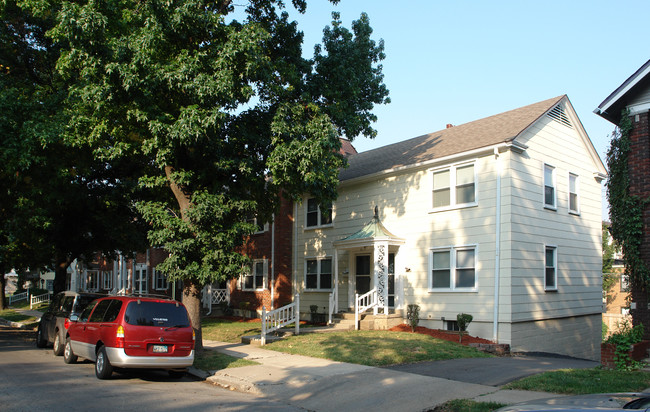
<point>372,232</point>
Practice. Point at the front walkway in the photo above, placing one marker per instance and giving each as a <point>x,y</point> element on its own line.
<point>324,385</point>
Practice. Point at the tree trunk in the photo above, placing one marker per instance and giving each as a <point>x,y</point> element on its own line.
<point>3,284</point>
<point>60,273</point>
<point>192,301</point>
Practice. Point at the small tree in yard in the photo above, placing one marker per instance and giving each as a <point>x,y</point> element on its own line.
<point>413,316</point>
<point>463,320</point>
<point>228,112</point>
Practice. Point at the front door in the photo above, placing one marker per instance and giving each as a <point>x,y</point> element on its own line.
<point>362,274</point>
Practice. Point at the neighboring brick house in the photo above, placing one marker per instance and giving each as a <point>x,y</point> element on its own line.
<point>634,95</point>
<point>617,306</point>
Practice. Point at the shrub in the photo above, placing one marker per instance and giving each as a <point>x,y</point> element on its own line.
<point>463,320</point>
<point>623,340</point>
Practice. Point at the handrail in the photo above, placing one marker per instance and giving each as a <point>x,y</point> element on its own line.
<point>280,317</point>
<point>18,296</point>
<point>333,301</point>
<point>363,303</point>
<point>39,299</point>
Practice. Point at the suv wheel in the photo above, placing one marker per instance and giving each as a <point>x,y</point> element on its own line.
<point>68,355</point>
<point>40,342</point>
<point>103,368</point>
<point>58,346</point>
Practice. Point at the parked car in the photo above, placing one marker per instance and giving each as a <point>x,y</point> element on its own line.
<point>132,332</point>
<point>602,401</point>
<point>51,329</point>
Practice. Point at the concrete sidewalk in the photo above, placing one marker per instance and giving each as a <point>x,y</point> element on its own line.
<point>323,385</point>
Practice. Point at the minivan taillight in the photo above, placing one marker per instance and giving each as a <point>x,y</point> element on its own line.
<point>193,334</point>
<point>66,323</point>
<point>119,342</point>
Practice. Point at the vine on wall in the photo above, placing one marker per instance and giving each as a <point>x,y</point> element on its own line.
<point>626,210</point>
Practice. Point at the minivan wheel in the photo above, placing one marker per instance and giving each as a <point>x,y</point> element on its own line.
<point>40,342</point>
<point>103,368</point>
<point>68,355</point>
<point>58,346</point>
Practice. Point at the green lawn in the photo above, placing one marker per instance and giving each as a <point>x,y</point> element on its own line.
<point>583,381</point>
<point>229,330</point>
<point>466,405</point>
<point>374,348</point>
<point>210,360</point>
<point>14,316</point>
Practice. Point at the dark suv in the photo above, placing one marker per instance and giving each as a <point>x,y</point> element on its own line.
<point>51,329</point>
<point>132,332</point>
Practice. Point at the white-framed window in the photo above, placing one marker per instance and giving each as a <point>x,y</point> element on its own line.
<point>160,280</point>
<point>255,278</point>
<point>454,186</point>
<point>318,273</point>
<point>140,284</point>
<point>624,283</point>
<point>315,216</point>
<point>92,280</point>
<point>453,268</point>
<point>550,267</point>
<point>574,198</point>
<point>550,191</point>
<point>107,280</point>
<point>259,227</point>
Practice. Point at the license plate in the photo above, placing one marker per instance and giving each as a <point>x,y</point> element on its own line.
<point>160,348</point>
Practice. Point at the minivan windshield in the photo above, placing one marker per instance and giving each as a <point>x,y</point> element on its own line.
<point>148,313</point>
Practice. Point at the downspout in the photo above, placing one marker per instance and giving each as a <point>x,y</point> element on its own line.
<point>273,264</point>
<point>295,250</point>
<point>497,255</point>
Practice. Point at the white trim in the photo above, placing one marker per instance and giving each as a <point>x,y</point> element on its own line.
<point>497,247</point>
<point>577,193</point>
<point>452,168</point>
<point>319,216</point>
<point>318,259</point>
<point>453,268</point>
<point>265,275</point>
<point>613,99</point>
<point>554,185</point>
<point>555,249</point>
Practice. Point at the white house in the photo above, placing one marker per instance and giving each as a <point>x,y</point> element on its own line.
<point>499,218</point>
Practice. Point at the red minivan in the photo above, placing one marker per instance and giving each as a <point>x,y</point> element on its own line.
<point>132,332</point>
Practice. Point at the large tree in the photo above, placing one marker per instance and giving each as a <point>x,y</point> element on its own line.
<point>219,98</point>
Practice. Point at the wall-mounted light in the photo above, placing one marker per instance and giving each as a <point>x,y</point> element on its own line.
<point>407,269</point>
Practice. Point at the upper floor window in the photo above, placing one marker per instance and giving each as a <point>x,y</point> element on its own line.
<point>318,274</point>
<point>255,279</point>
<point>259,226</point>
<point>550,274</point>
<point>316,215</point>
<point>454,186</point>
<point>549,187</point>
<point>453,268</point>
<point>92,281</point>
<point>574,204</point>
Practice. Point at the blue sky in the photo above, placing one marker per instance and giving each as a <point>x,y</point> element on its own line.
<point>458,61</point>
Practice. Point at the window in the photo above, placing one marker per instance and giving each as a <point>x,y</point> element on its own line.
<point>550,275</point>
<point>318,274</point>
<point>453,268</point>
<point>454,186</point>
<point>160,280</point>
<point>92,281</point>
<point>317,216</point>
<point>549,186</point>
<point>260,227</point>
<point>255,279</point>
<point>624,283</point>
<point>574,205</point>
<point>107,280</point>
<point>140,281</point>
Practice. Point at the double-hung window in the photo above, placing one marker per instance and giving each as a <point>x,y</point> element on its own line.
<point>316,215</point>
<point>107,280</point>
<point>92,282</point>
<point>454,186</point>
<point>453,268</point>
<point>550,268</point>
<point>140,284</point>
<point>574,200</point>
<point>160,280</point>
<point>255,279</point>
<point>318,274</point>
<point>549,187</point>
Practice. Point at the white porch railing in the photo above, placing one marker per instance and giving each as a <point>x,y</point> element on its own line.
<point>212,296</point>
<point>333,304</point>
<point>281,317</point>
<point>18,297</point>
<point>363,303</point>
<point>35,300</point>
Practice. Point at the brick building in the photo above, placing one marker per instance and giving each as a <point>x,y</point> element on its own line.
<point>634,95</point>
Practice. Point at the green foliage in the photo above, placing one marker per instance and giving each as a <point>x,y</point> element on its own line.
<point>623,340</point>
<point>467,405</point>
<point>609,248</point>
<point>413,316</point>
<point>604,331</point>
<point>626,210</point>
<point>463,320</point>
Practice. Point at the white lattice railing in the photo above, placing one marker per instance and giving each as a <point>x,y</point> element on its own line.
<point>220,295</point>
<point>363,303</point>
<point>18,297</point>
<point>333,304</point>
<point>281,317</point>
<point>35,300</point>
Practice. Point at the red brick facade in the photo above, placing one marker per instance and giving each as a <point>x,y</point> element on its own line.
<point>639,169</point>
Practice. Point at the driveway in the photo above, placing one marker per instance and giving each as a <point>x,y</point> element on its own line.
<point>495,371</point>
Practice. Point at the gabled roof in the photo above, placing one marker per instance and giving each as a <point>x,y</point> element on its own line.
<point>483,133</point>
<point>610,109</point>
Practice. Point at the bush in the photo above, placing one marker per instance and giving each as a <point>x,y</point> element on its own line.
<point>463,320</point>
<point>623,340</point>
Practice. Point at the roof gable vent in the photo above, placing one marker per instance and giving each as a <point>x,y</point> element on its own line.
<point>559,115</point>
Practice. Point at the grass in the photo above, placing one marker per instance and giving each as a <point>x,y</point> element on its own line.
<point>584,381</point>
<point>466,405</point>
<point>14,316</point>
<point>229,330</point>
<point>374,348</point>
<point>209,360</point>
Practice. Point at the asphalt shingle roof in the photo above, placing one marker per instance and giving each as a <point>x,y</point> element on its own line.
<point>485,132</point>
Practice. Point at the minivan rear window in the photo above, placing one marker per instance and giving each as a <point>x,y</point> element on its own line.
<point>147,313</point>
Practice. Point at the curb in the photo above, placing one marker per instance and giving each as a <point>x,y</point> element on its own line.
<point>234,384</point>
<point>16,325</point>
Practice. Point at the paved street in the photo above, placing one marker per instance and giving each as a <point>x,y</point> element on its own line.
<point>34,379</point>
